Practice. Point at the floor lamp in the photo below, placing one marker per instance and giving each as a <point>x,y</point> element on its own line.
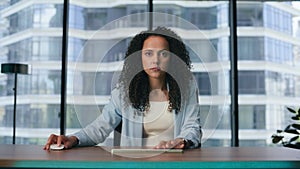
<point>15,68</point>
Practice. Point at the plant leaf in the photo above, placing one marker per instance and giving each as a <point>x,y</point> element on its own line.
<point>296,146</point>
<point>291,110</point>
<point>296,118</point>
<point>276,139</point>
<point>287,127</point>
<point>294,139</point>
<point>292,131</point>
<point>296,126</point>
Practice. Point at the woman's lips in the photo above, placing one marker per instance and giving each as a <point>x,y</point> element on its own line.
<point>155,69</point>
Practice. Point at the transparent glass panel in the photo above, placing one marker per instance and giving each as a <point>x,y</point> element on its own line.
<point>208,44</point>
<point>94,68</point>
<point>268,52</point>
<point>31,35</point>
<point>101,31</point>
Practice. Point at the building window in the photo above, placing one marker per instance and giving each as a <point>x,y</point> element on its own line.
<point>251,82</point>
<point>203,50</point>
<point>95,18</point>
<point>251,48</point>
<point>203,18</point>
<point>203,83</point>
<point>278,51</point>
<point>252,117</point>
<point>249,14</point>
<point>277,19</point>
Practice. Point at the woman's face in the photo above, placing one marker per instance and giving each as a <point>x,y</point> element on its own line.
<point>155,56</point>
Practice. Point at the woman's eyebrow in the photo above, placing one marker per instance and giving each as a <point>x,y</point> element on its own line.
<point>157,50</point>
<point>153,50</point>
<point>163,50</point>
<point>147,50</point>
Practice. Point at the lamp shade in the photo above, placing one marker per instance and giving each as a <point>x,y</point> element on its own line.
<point>15,68</point>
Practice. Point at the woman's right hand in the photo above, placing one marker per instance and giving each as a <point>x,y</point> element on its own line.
<point>68,142</point>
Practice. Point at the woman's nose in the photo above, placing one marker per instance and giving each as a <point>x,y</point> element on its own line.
<point>156,58</point>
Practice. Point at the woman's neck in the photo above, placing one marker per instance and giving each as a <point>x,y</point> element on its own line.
<point>156,84</point>
<point>158,90</point>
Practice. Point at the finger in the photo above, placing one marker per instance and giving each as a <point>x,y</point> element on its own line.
<point>164,144</point>
<point>179,143</point>
<point>173,143</point>
<point>45,147</point>
<point>157,146</point>
<point>170,144</point>
<point>161,145</point>
<point>179,146</point>
<point>51,140</point>
<point>60,140</point>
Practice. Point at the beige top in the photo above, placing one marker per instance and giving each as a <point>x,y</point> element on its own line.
<point>158,124</point>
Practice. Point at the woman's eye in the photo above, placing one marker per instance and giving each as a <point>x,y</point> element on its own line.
<point>148,53</point>
<point>165,54</point>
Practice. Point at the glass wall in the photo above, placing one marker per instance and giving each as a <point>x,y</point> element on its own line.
<point>267,74</point>
<point>31,34</point>
<point>99,33</point>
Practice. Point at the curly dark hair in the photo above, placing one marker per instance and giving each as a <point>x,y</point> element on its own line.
<point>135,81</point>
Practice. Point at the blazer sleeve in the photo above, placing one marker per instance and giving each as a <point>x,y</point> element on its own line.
<point>103,125</point>
<point>190,118</point>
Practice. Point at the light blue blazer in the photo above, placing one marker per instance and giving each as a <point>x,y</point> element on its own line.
<point>186,122</point>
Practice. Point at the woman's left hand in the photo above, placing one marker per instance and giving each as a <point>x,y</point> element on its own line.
<point>177,144</point>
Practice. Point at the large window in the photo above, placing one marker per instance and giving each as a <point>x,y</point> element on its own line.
<point>99,32</point>
<point>31,34</point>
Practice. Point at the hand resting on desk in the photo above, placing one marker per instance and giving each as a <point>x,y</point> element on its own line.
<point>176,144</point>
<point>72,141</point>
<point>68,142</point>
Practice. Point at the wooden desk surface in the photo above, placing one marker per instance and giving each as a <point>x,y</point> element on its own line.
<point>98,157</point>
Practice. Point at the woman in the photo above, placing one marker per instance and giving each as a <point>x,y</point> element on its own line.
<point>155,98</point>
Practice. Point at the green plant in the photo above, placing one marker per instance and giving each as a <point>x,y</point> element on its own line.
<point>292,129</point>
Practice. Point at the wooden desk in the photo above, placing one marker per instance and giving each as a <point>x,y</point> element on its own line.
<point>30,156</point>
